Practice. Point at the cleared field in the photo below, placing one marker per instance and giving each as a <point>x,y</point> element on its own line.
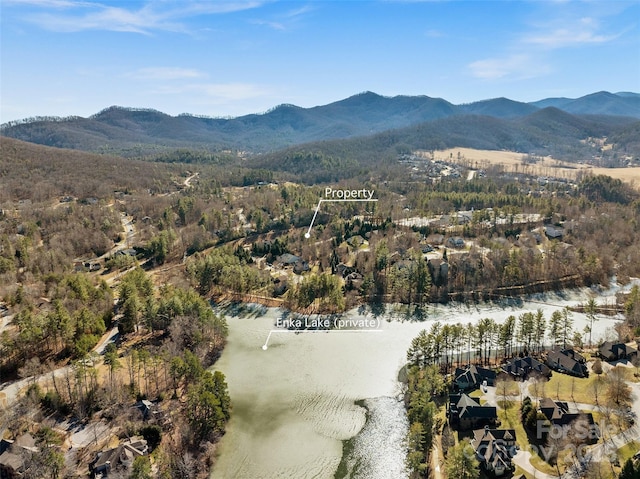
<point>514,162</point>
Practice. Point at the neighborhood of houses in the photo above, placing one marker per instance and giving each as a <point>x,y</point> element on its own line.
<point>110,461</point>
<point>495,446</point>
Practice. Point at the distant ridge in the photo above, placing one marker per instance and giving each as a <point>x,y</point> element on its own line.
<point>600,103</point>
<point>144,131</point>
<point>499,108</point>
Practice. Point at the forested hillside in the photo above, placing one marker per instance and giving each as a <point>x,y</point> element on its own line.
<point>135,132</point>
<point>549,131</point>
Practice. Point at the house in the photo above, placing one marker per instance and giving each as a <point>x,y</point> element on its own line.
<point>12,459</point>
<point>354,280</point>
<point>288,259</point>
<point>356,241</point>
<point>146,408</point>
<point>118,458</point>
<point>472,377</point>
<point>524,367</point>
<point>296,262</point>
<point>559,414</point>
<point>455,242</point>
<point>152,414</point>
<point>126,252</point>
<point>553,232</point>
<point>91,265</point>
<point>344,270</point>
<point>613,351</point>
<point>426,248</point>
<point>567,361</point>
<point>466,413</point>
<point>494,449</point>
<point>11,465</point>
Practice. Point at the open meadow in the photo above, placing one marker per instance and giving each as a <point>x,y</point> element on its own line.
<point>516,162</point>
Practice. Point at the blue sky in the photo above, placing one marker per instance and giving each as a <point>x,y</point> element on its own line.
<point>229,58</point>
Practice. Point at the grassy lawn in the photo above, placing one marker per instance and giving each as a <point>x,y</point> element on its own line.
<point>519,471</point>
<point>560,387</point>
<point>567,388</point>
<point>507,388</point>
<point>475,394</point>
<point>628,451</point>
<point>541,465</point>
<point>510,419</point>
<point>630,374</point>
<point>616,424</point>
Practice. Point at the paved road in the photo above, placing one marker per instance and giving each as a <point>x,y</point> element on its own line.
<point>12,390</point>
<point>523,460</point>
<point>435,463</point>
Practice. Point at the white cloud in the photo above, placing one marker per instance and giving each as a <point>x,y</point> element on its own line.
<point>152,16</point>
<point>296,12</point>
<point>565,25</point>
<point>583,31</point>
<point>286,20</point>
<point>165,73</point>
<point>47,3</point>
<point>270,24</point>
<point>517,66</point>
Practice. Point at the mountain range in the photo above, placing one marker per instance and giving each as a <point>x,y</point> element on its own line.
<point>494,123</point>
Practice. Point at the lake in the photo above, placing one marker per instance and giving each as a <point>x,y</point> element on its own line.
<point>297,402</point>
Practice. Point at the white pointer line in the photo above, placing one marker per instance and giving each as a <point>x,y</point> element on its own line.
<point>308,233</point>
<point>333,331</point>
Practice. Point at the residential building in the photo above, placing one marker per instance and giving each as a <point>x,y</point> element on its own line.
<point>522,368</point>
<point>472,377</point>
<point>118,458</point>
<point>13,456</point>
<point>613,351</point>
<point>494,449</point>
<point>553,232</point>
<point>466,413</point>
<point>567,361</point>
<point>558,413</point>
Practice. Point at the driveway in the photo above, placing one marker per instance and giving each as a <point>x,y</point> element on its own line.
<point>523,460</point>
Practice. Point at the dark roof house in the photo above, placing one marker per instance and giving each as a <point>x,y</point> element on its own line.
<point>567,361</point>
<point>153,414</point>
<point>118,458</point>
<point>613,351</point>
<point>466,413</point>
<point>494,449</point>
<point>553,232</point>
<point>473,376</point>
<point>456,242</point>
<point>558,413</point>
<point>524,367</point>
<point>14,455</point>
